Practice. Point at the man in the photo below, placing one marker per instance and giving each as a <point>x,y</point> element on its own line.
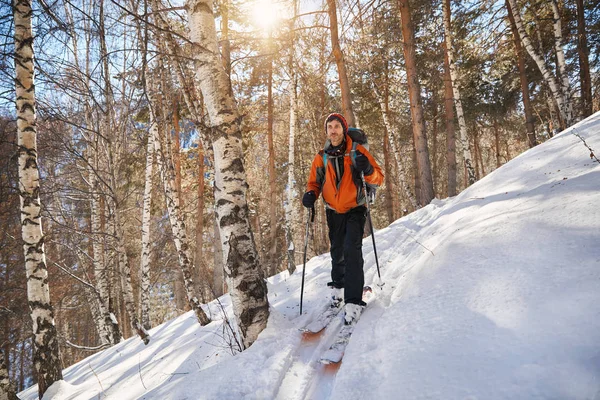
<point>338,178</point>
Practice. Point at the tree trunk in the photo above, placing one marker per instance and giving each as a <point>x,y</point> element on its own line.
<point>529,118</point>
<point>562,74</point>
<point>218,271</point>
<point>497,142</point>
<point>199,261</point>
<point>347,109</point>
<point>244,276</point>
<point>110,332</point>
<point>46,355</point>
<point>560,98</point>
<point>426,193</point>
<point>291,208</point>
<point>463,137</point>
<point>272,263</point>
<point>165,166</point>
<point>7,389</point>
<point>145,256</point>
<point>402,180</point>
<point>584,62</point>
<point>450,131</point>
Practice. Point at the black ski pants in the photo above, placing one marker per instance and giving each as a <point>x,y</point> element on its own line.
<point>345,235</point>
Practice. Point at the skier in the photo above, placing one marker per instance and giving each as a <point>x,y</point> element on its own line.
<point>336,173</point>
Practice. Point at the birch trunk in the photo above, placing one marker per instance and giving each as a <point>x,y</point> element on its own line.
<point>463,136</point>
<point>562,74</point>
<point>46,355</point>
<point>107,325</point>
<point>199,261</point>
<point>394,150</point>
<point>7,389</point>
<point>145,256</point>
<point>529,118</point>
<point>125,274</point>
<point>291,209</point>
<point>177,225</point>
<point>557,95</point>
<point>273,264</point>
<point>115,146</point>
<point>111,333</point>
<point>341,64</point>
<point>584,62</point>
<point>426,193</point>
<point>450,131</point>
<point>244,276</point>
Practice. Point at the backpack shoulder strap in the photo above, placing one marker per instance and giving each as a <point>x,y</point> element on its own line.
<point>353,154</point>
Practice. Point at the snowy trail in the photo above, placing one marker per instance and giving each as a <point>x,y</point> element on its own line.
<point>306,377</point>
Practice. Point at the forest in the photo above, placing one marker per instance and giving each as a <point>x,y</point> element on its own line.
<point>153,154</point>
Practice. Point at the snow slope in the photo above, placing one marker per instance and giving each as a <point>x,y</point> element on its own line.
<point>492,294</point>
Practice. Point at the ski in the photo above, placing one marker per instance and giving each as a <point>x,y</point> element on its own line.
<point>336,351</point>
<point>323,320</point>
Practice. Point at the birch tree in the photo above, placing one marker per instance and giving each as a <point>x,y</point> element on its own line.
<point>145,256</point>
<point>244,275</point>
<point>166,168</point>
<point>463,137</point>
<point>559,97</point>
<point>389,133</point>
<point>106,322</point>
<point>291,216</point>
<point>7,389</point>
<point>46,356</point>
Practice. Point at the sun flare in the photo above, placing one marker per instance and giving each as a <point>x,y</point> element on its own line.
<point>265,14</point>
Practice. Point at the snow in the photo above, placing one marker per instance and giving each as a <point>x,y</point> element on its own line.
<point>492,294</point>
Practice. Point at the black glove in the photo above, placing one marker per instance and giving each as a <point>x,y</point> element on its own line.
<point>309,198</point>
<point>362,163</point>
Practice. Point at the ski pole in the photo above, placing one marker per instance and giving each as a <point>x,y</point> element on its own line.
<point>309,220</point>
<point>362,177</point>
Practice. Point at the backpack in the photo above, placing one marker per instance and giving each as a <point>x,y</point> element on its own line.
<point>358,136</point>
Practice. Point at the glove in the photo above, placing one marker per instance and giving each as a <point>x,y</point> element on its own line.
<point>362,163</point>
<point>309,198</point>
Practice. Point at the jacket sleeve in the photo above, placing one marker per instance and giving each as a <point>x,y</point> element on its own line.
<point>317,175</point>
<point>376,178</point>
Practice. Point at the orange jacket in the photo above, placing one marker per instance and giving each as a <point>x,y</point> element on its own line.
<point>350,193</point>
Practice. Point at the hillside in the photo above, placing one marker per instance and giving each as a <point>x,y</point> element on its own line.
<point>492,294</point>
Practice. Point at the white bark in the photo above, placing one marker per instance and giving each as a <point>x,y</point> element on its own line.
<point>291,213</point>
<point>108,331</point>
<point>244,275</point>
<point>463,137</point>
<point>145,256</point>
<point>559,97</point>
<point>561,63</point>
<point>399,164</point>
<point>7,389</point>
<point>165,167</point>
<point>46,356</point>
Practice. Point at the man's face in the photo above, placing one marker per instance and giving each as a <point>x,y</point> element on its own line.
<point>335,132</point>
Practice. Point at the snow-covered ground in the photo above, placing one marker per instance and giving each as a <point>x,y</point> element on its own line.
<point>492,294</point>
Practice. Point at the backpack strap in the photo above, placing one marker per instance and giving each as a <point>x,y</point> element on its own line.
<point>325,161</point>
<point>353,154</point>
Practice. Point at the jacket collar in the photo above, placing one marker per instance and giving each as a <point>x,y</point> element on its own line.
<point>328,148</point>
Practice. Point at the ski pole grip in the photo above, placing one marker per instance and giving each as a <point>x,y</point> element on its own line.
<point>312,215</point>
